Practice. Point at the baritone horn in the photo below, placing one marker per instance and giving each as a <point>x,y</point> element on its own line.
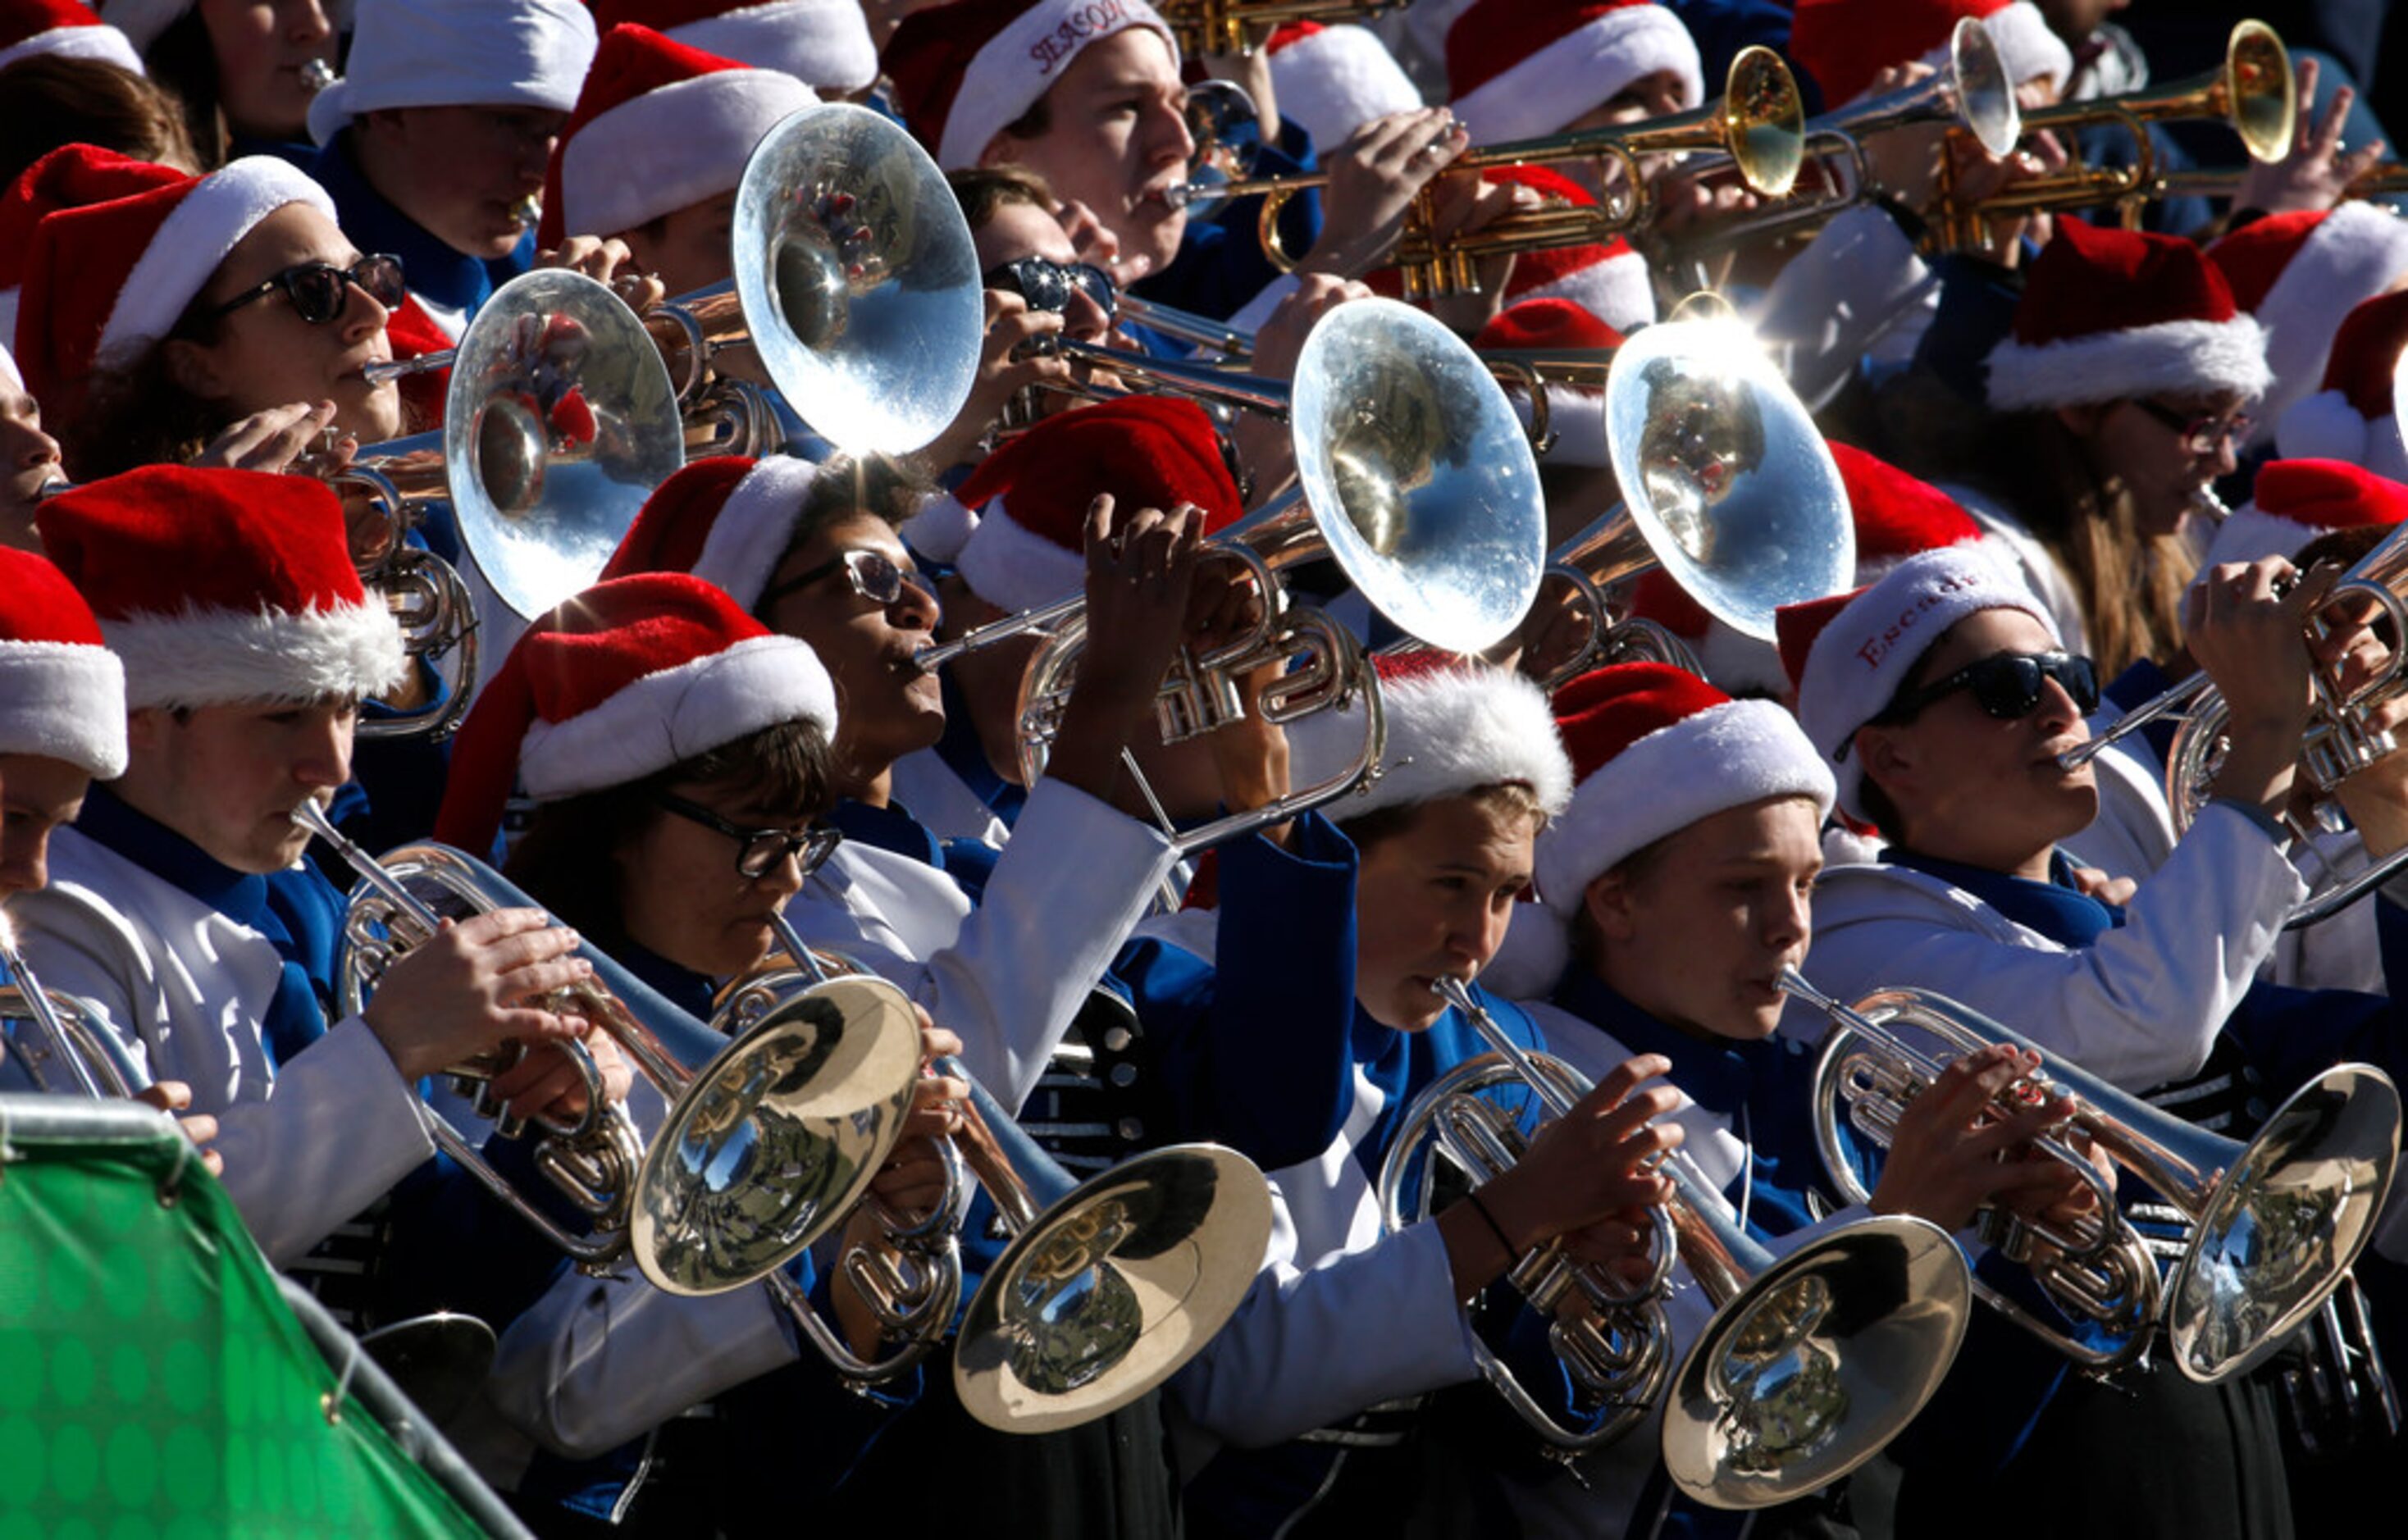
<point>1810,1363</point>
<point>74,1050</point>
<point>2275,1223</point>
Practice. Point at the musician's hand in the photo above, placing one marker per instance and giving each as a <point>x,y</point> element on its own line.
<point>2105,889</point>
<point>1689,201</point>
<point>1586,1167</point>
<point>607,262</point>
<point>1948,1156</point>
<point>2248,639</point>
<point>1002,374</point>
<point>2317,172</point>
<point>1555,631</point>
<point>464,990</point>
<point>1140,569</point>
<point>1978,174</point>
<point>273,439</point>
<point>1373,180</point>
<point>1280,337</point>
<point>1906,161</point>
<point>173,1097</point>
<point>939,1101</point>
<point>546,1082</point>
<point>1091,242</point>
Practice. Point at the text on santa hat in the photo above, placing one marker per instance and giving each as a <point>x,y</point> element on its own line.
<point>1083,24</point>
<point>1880,645</point>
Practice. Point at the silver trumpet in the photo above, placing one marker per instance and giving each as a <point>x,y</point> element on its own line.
<point>2274,1225</point>
<point>69,1048</point>
<point>1810,1363</point>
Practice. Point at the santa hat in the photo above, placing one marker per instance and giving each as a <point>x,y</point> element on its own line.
<point>1575,414</point>
<point>965,72</point>
<point>1334,79</point>
<point>9,375</point>
<point>2296,501</point>
<point>63,27</point>
<point>2300,274</point>
<point>68,176</point>
<point>528,53</point>
<point>727,519</point>
<point>2109,315</point>
<point>824,44</point>
<point>1656,749</point>
<point>1520,68</point>
<point>1149,451</point>
<point>1844,43</point>
<point>217,586</point>
<point>65,691</point>
<point>1454,727</point>
<point>2355,416</point>
<point>1856,652</point>
<point>105,280</point>
<point>660,126</point>
<point>631,677</point>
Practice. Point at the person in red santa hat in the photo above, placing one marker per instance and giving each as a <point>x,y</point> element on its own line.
<point>2302,274</point>
<point>71,79</point>
<point>244,74</point>
<point>825,44</point>
<point>180,905</point>
<point>29,458</point>
<point>2355,415</point>
<point>68,176</point>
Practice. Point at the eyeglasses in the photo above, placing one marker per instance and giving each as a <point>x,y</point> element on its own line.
<point>1048,285</point>
<point>759,851</point>
<point>873,575</point>
<point>321,291</point>
<point>2200,436</point>
<point>2007,685</point>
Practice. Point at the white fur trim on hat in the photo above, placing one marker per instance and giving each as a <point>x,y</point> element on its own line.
<point>1016,570</point>
<point>1450,732</point>
<point>2353,253</point>
<point>2252,534</point>
<point>1856,666</point>
<point>2171,356</point>
<point>459,53</point>
<point>103,42</point>
<point>1725,756</point>
<point>1580,71</point>
<point>1020,64</point>
<point>1335,80</point>
<point>669,717</point>
<point>9,375</point>
<point>2027,46</point>
<point>823,43</point>
<point>194,239</point>
<point>67,701</point>
<point>220,657</point>
<point>1616,291</point>
<point>940,531</point>
<point>671,147</point>
<point>754,526</point>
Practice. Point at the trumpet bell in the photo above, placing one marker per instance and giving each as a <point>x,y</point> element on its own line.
<point>777,1137</point>
<point>1985,93</point>
<point>1818,1365</point>
<point>2262,90</point>
<point>1724,473</point>
<point>856,270</point>
<point>1113,1288</point>
<point>559,424</point>
<point>2284,1222</point>
<point>1418,474</point>
<point>1764,121</point>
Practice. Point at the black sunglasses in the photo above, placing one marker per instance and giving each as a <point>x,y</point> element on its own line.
<point>319,291</point>
<point>1048,285</point>
<point>2007,685</point>
<point>873,575</point>
<point>759,851</point>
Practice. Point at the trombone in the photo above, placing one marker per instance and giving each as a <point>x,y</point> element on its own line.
<point>1759,124</point>
<point>2274,1225</point>
<point>1811,1364</point>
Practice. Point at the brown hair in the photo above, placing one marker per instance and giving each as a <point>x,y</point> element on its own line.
<point>879,486</point>
<point>1504,799</point>
<point>983,189</point>
<point>183,59</point>
<point>51,100</point>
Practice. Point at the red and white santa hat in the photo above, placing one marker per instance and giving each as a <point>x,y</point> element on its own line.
<point>1575,414</point>
<point>1851,652</point>
<point>966,71</point>
<point>1520,68</point>
<point>107,279</point>
<point>2108,315</point>
<point>1844,43</point>
<point>67,28</point>
<point>2356,415</point>
<point>68,176</point>
<point>62,690</point>
<point>660,126</point>
<point>2300,274</point>
<point>628,678</point>
<point>1454,727</point>
<point>1658,748</point>
<point>1032,495</point>
<point>216,587</point>
<point>528,53</point>
<point>727,519</point>
<point>1334,79</point>
<point>9,375</point>
<point>2296,501</point>
<point>825,44</point>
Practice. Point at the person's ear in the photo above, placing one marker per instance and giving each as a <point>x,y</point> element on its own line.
<point>1888,758</point>
<point>193,369</point>
<point>2083,421</point>
<point>146,729</point>
<point>1611,905</point>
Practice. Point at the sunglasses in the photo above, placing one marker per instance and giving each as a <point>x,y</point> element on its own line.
<point>319,291</point>
<point>873,575</point>
<point>1048,285</point>
<point>2200,436</point>
<point>2007,685</point>
<point>759,851</point>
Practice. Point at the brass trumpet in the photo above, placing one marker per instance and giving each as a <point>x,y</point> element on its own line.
<point>1227,26</point>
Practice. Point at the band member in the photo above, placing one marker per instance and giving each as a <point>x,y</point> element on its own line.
<point>68,176</point>
<point>825,44</point>
<point>176,905</point>
<point>1846,44</point>
<point>71,80</point>
<point>29,458</point>
<point>245,74</point>
<point>2302,274</point>
<point>2353,415</point>
<point>1332,81</point>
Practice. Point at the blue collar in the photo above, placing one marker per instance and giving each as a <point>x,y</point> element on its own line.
<point>436,269</point>
<point>688,990</point>
<point>170,856</point>
<point>2056,908</point>
<point>1717,1075</point>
